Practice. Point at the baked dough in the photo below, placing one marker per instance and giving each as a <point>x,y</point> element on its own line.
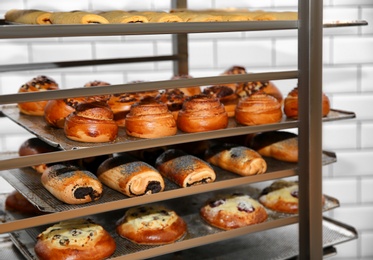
<point>129,176</point>
<point>31,16</point>
<point>118,16</point>
<point>15,201</point>
<point>77,17</point>
<point>233,211</point>
<point>77,239</point>
<point>151,225</point>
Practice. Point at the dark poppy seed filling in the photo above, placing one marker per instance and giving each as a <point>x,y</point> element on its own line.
<point>154,187</point>
<point>81,193</point>
<point>204,180</point>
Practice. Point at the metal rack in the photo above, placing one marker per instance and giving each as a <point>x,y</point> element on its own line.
<point>309,28</point>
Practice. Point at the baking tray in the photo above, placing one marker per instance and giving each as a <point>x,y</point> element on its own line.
<point>56,137</point>
<point>283,240</point>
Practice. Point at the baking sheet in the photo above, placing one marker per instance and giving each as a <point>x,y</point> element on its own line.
<point>56,137</point>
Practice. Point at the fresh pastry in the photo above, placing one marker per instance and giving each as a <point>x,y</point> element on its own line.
<point>198,17</point>
<point>71,185</point>
<point>77,17</point>
<point>150,119</point>
<point>280,145</point>
<point>119,16</point>
<point>97,98</point>
<point>202,113</point>
<point>291,104</point>
<point>226,96</point>
<point>282,196</point>
<point>33,146</point>
<point>234,70</point>
<point>39,83</point>
<point>29,16</point>
<point>121,104</point>
<point>91,122</point>
<point>174,99</point>
<point>258,109</point>
<point>151,225</point>
<point>129,176</point>
<point>267,87</point>
<point>233,211</point>
<point>238,159</point>
<point>77,239</point>
<point>188,91</point>
<point>159,17</point>
<point>16,202</point>
<point>183,169</point>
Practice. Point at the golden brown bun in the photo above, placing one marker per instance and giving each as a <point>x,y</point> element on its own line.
<point>97,98</point>
<point>31,16</point>
<point>183,169</point>
<point>188,91</point>
<point>71,185</point>
<point>129,176</point>
<point>34,146</point>
<point>39,83</point>
<point>202,113</point>
<point>15,201</point>
<point>121,104</point>
<point>226,96</point>
<point>280,145</point>
<point>233,211</point>
<point>291,104</point>
<point>150,119</point>
<point>235,70</point>
<point>258,109</point>
<point>151,225</point>
<point>91,122</point>
<point>77,17</point>
<point>56,110</point>
<point>173,98</point>
<point>267,87</point>
<point>238,159</point>
<point>75,239</point>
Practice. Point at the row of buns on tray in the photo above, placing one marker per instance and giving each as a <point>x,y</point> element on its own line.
<point>152,114</point>
<point>35,16</point>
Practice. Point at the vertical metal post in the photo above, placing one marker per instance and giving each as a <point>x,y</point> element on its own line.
<point>180,45</point>
<point>310,128</point>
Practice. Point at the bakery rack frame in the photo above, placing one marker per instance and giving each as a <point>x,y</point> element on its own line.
<point>309,74</point>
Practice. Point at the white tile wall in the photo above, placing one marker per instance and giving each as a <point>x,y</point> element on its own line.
<point>348,77</point>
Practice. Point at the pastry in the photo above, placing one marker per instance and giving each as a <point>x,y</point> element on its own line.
<point>118,16</point>
<point>188,91</point>
<point>91,122</point>
<point>183,169</point>
<point>150,119</point>
<point>97,98</point>
<point>234,70</point>
<point>282,196</point>
<point>159,17</point>
<point>233,211</point>
<point>279,145</point>
<point>15,201</point>
<point>202,113</point>
<point>77,17</point>
<point>39,83</point>
<point>238,159</point>
<point>33,146</point>
<point>30,16</point>
<point>226,96</point>
<point>291,104</point>
<point>198,17</point>
<point>267,87</point>
<point>71,185</point>
<point>77,239</point>
<point>151,225</point>
<point>258,109</point>
<point>173,98</point>
<point>129,176</point>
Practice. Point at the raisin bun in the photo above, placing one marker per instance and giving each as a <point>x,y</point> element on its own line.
<point>202,113</point>
<point>91,122</point>
<point>233,211</point>
<point>173,98</point>
<point>151,225</point>
<point>77,239</point>
<point>226,96</point>
<point>33,146</point>
<point>188,91</point>
<point>39,83</point>
<point>150,119</point>
<point>291,104</point>
<point>258,109</point>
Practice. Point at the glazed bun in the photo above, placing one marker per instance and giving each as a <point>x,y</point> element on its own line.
<point>258,109</point>
<point>188,91</point>
<point>121,104</point>
<point>98,98</point>
<point>174,99</point>
<point>91,122</point>
<point>150,119</point>
<point>235,70</point>
<point>202,113</point>
<point>39,83</point>
<point>225,95</point>
<point>267,87</point>
<point>291,104</point>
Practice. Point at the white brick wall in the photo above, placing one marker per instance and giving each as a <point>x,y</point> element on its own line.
<point>348,77</point>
